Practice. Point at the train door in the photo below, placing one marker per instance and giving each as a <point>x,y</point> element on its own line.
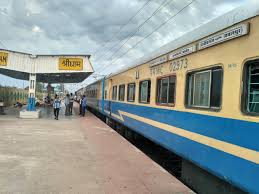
<point>103,95</point>
<point>109,96</point>
<point>105,103</point>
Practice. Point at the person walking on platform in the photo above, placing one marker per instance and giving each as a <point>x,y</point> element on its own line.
<point>56,106</point>
<point>71,101</point>
<point>80,105</point>
<point>83,105</point>
<point>67,104</point>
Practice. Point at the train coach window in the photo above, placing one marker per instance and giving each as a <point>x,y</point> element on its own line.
<point>114,93</point>
<point>131,92</point>
<point>204,88</point>
<point>144,91</point>
<point>121,92</point>
<point>166,90</point>
<point>251,93</point>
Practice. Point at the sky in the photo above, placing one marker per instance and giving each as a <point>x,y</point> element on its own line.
<point>115,32</point>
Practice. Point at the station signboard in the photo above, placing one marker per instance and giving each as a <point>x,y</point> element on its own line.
<point>3,58</point>
<point>158,61</point>
<point>182,52</point>
<point>229,34</point>
<point>73,64</point>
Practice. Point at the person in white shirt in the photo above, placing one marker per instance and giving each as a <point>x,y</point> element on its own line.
<point>56,106</point>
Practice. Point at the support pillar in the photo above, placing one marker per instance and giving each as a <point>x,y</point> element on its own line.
<point>32,92</point>
<point>31,112</point>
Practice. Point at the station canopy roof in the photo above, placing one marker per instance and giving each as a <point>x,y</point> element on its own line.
<point>48,68</point>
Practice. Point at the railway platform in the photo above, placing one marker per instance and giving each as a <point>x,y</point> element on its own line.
<point>75,155</point>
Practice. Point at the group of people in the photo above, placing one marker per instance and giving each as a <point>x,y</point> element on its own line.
<point>69,100</point>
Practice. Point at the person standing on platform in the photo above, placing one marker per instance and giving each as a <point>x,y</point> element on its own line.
<point>83,105</point>
<point>56,106</point>
<point>80,105</point>
<point>71,101</point>
<point>67,104</point>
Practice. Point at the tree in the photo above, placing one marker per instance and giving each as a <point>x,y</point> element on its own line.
<point>39,87</point>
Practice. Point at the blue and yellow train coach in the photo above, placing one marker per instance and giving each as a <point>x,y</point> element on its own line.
<point>198,96</point>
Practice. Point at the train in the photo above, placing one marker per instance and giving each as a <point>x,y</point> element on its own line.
<point>197,96</point>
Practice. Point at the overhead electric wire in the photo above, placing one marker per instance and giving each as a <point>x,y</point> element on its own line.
<point>137,30</point>
<point>162,5</point>
<point>170,18</point>
<point>122,27</point>
<point>130,35</point>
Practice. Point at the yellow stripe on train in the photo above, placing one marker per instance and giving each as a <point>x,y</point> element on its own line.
<point>238,151</point>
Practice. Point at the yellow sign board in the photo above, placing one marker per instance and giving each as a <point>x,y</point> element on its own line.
<point>3,58</point>
<point>70,64</point>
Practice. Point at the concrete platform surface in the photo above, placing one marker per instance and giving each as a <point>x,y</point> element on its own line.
<point>75,155</point>
<point>30,114</point>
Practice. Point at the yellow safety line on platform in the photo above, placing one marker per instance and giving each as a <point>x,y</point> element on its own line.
<point>241,152</point>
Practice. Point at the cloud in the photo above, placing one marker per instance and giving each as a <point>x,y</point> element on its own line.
<point>88,27</point>
<point>36,29</point>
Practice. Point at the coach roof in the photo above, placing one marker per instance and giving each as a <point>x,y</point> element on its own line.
<point>231,18</point>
